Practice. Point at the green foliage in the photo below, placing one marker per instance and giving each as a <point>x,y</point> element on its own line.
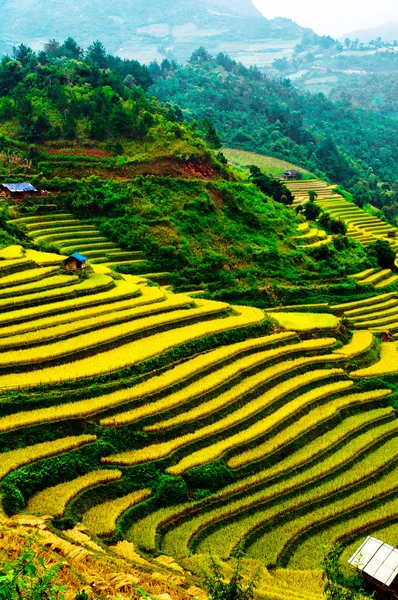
<point>382,253</point>
<point>27,577</point>
<point>170,490</point>
<point>233,588</point>
<point>212,476</point>
<point>311,211</point>
<point>256,113</point>
<point>270,186</point>
<point>335,582</point>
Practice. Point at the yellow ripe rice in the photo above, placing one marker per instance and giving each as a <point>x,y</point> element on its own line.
<point>215,450</point>
<point>388,363</point>
<point>133,352</point>
<point>361,342</point>
<point>305,321</point>
<point>306,423</point>
<point>101,519</point>
<point>86,408</point>
<point>54,500</point>
<point>210,382</point>
<point>17,458</point>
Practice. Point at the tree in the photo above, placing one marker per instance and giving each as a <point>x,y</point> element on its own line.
<point>270,186</point>
<point>211,134</point>
<point>382,253</point>
<point>52,48</point>
<point>71,49</point>
<point>96,52</point>
<point>313,195</point>
<point>311,211</point>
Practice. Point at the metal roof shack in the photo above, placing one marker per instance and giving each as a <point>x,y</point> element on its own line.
<point>75,262</point>
<point>18,191</point>
<point>292,174</point>
<point>378,562</point>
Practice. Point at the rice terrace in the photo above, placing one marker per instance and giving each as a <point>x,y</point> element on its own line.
<point>198,327</point>
<point>186,425</point>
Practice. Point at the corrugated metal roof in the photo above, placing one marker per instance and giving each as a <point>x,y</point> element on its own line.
<point>377,559</point>
<point>79,256</point>
<point>20,187</point>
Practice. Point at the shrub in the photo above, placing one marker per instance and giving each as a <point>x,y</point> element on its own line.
<point>212,476</point>
<point>170,490</point>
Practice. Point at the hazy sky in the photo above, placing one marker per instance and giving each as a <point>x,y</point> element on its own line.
<point>332,18</point>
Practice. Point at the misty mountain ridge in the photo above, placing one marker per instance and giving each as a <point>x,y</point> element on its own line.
<point>148,31</point>
<point>387,32</point>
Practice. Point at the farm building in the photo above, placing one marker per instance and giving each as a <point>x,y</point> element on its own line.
<point>18,191</point>
<point>379,564</point>
<point>292,174</point>
<point>75,262</point>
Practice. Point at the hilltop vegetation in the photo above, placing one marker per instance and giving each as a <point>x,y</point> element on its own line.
<point>79,126</point>
<point>354,147</point>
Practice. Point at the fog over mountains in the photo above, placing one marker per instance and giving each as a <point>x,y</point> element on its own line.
<point>150,30</point>
<point>388,32</point>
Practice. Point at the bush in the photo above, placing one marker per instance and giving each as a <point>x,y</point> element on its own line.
<point>381,253</point>
<point>170,490</point>
<point>213,476</point>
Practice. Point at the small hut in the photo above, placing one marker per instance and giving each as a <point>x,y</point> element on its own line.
<point>379,564</point>
<point>292,174</point>
<point>75,262</point>
<point>18,191</point>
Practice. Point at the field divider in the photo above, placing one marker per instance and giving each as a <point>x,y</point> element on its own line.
<point>257,430</point>
<point>96,283</point>
<point>112,360</point>
<point>219,380</point>
<point>23,277</point>
<point>226,508</point>
<point>149,296</point>
<point>356,432</point>
<point>12,460</point>
<point>117,290</point>
<point>57,333</point>
<point>178,375</point>
<point>97,340</point>
<point>36,287</point>
<point>375,499</point>
<point>54,500</point>
<point>161,450</point>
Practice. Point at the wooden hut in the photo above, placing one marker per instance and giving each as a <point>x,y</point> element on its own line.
<point>18,191</point>
<point>75,262</point>
<point>379,564</point>
<point>292,174</point>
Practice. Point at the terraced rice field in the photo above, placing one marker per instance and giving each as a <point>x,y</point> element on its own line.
<point>311,237</point>
<point>301,188</point>
<point>69,235</point>
<point>132,386</point>
<point>363,227</point>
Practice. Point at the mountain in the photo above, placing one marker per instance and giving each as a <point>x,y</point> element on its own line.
<point>147,31</point>
<point>256,113</point>
<point>388,32</point>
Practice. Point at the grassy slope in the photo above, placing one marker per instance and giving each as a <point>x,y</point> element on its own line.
<point>270,164</point>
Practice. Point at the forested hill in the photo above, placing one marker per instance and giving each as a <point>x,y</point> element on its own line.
<point>59,97</point>
<point>354,147</point>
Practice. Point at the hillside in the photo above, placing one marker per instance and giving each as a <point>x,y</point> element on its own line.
<point>387,31</point>
<point>222,374</point>
<point>353,147</point>
<point>145,32</point>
